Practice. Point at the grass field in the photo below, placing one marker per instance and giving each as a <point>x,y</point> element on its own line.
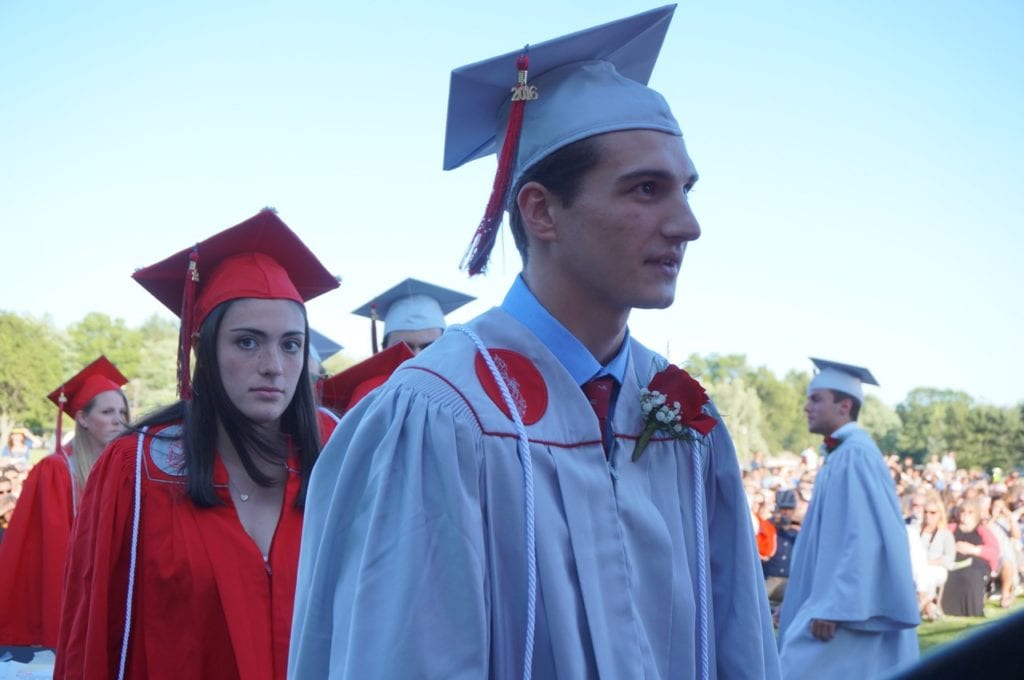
<point>951,628</point>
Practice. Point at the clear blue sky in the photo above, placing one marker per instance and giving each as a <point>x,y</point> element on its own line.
<point>861,173</point>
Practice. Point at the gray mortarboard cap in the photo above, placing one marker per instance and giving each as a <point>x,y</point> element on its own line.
<point>833,375</point>
<point>413,305</point>
<point>588,83</point>
<point>321,347</point>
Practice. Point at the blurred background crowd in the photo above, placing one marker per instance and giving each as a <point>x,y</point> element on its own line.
<point>963,527</point>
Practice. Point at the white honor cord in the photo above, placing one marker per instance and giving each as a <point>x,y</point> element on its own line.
<point>136,514</point>
<point>704,657</point>
<point>74,483</point>
<point>527,463</point>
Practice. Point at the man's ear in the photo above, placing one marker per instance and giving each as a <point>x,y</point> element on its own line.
<point>536,205</point>
<point>845,406</point>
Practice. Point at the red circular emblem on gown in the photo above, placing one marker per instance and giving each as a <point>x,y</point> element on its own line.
<point>525,384</point>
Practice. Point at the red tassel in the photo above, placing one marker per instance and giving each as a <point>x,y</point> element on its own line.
<point>487,232</point>
<point>185,340</point>
<point>373,328</point>
<point>61,400</point>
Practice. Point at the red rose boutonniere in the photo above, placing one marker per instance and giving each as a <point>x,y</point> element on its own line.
<point>673,404</point>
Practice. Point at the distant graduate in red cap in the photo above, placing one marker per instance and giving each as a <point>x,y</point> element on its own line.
<point>184,555</point>
<point>343,391</point>
<point>35,545</point>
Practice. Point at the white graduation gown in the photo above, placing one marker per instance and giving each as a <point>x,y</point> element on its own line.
<point>413,558</point>
<point>851,564</point>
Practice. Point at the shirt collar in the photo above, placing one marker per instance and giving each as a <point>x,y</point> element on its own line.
<point>846,430</point>
<point>524,306</point>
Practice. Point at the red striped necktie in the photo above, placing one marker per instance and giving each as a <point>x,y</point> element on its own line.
<point>599,392</point>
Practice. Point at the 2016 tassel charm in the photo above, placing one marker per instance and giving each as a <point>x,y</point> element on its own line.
<point>479,251</point>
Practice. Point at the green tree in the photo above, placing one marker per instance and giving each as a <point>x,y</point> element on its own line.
<point>798,381</point>
<point>882,422</point>
<point>30,368</point>
<point>785,426</point>
<point>991,437</point>
<point>933,421</point>
<point>741,410</point>
<point>154,384</point>
<point>97,334</point>
<point>715,368</point>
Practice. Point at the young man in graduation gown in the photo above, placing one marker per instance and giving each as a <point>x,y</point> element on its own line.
<point>480,516</point>
<point>850,609</point>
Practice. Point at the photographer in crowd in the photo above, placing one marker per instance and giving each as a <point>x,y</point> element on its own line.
<point>787,526</point>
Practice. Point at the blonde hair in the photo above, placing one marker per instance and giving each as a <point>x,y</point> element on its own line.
<point>85,450</point>
<point>931,496</point>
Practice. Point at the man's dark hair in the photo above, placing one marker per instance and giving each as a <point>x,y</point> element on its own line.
<point>838,396</point>
<point>562,174</point>
<point>210,403</point>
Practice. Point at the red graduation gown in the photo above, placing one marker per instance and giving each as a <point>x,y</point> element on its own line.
<point>33,553</point>
<point>206,603</point>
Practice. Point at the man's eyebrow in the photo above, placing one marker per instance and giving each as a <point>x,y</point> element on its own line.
<point>656,173</point>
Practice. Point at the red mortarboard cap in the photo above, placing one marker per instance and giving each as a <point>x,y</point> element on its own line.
<point>260,258</point>
<point>76,393</point>
<point>79,390</point>
<point>342,391</point>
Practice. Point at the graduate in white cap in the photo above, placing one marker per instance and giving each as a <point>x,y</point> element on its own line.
<point>413,312</point>
<point>850,609</point>
<point>509,504</point>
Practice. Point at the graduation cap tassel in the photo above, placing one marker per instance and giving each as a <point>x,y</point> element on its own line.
<point>61,400</point>
<point>373,328</point>
<point>487,232</point>
<point>185,341</point>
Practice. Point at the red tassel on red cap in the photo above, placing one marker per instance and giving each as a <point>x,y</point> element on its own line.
<point>61,400</point>
<point>185,340</point>
<point>487,232</point>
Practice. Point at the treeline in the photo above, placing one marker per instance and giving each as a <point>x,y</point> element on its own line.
<point>763,412</point>
<point>35,357</point>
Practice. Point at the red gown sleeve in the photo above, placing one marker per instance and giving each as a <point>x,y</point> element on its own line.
<point>95,591</point>
<point>32,556</point>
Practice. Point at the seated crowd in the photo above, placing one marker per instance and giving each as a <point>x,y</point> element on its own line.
<point>963,528</point>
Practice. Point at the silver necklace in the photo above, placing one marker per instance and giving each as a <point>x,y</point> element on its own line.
<point>241,496</point>
<point>244,496</point>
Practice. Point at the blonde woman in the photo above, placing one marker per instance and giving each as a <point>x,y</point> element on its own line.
<point>940,551</point>
<point>35,545</point>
